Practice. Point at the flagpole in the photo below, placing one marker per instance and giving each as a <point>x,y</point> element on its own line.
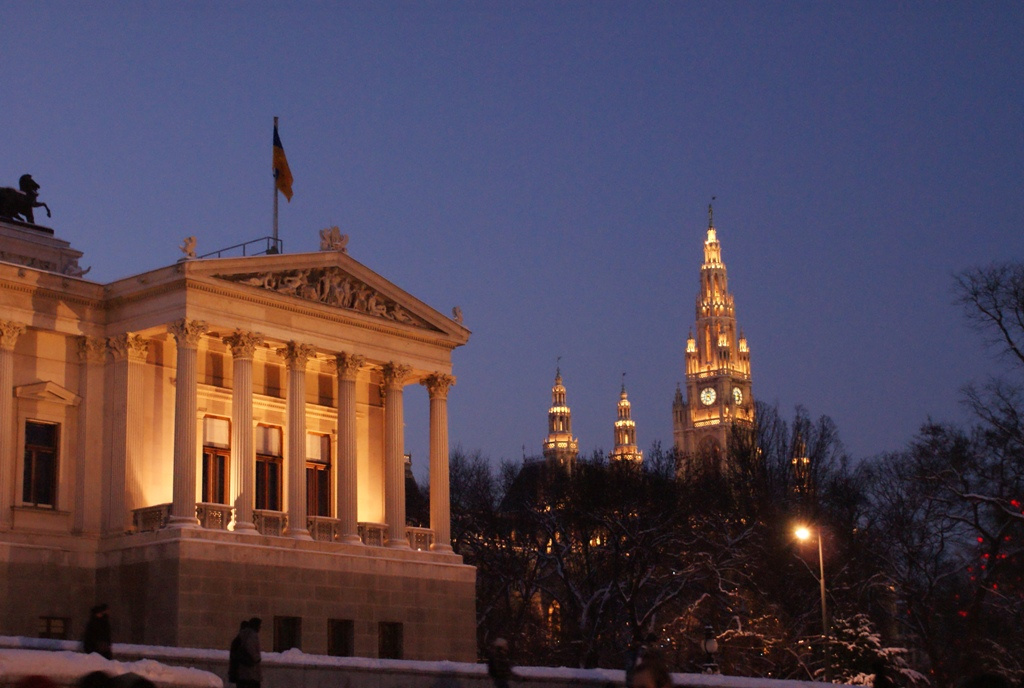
<point>275,196</point>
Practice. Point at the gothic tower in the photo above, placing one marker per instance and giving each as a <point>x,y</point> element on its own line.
<point>717,368</point>
<point>625,434</point>
<point>560,448</point>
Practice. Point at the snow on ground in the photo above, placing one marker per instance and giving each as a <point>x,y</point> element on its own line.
<point>59,659</point>
<point>66,667</point>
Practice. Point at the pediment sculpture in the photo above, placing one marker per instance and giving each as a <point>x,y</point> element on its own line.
<point>329,286</point>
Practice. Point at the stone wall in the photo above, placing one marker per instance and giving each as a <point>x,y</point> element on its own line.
<point>192,588</point>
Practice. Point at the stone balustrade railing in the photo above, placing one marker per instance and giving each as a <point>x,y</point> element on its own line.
<point>214,516</point>
<point>321,528</point>
<point>151,517</point>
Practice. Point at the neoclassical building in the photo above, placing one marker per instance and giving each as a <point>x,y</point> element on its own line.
<point>218,439</point>
<point>718,393</point>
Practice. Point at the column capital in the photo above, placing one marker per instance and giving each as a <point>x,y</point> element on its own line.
<point>9,333</point>
<point>348,365</point>
<point>243,344</point>
<point>92,350</point>
<point>187,332</point>
<point>437,384</point>
<point>297,354</point>
<point>128,345</point>
<point>394,374</point>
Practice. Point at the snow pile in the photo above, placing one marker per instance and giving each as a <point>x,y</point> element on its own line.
<point>66,668</point>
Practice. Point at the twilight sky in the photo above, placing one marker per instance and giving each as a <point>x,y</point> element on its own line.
<point>547,167</point>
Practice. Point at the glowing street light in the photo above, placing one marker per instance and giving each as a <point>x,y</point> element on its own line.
<point>803,533</point>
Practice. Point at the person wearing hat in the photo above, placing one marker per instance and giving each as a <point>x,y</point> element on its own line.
<point>97,632</point>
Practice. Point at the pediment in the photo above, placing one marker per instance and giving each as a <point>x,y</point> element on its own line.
<point>47,391</point>
<point>331,286</point>
<point>335,280</point>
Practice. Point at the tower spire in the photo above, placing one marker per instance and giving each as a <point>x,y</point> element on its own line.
<point>717,366</point>
<point>560,447</point>
<point>625,450</point>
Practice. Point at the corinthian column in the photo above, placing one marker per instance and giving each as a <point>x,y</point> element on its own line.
<point>394,454</point>
<point>183,510</point>
<point>9,333</point>
<point>243,452</point>
<point>129,351</point>
<point>92,354</point>
<point>345,475</point>
<point>296,355</point>
<point>440,507</point>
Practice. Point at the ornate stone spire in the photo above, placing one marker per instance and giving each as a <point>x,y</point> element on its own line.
<point>717,364</point>
<point>625,432</point>
<point>560,447</point>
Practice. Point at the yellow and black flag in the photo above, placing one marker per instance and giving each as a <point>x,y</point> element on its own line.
<point>282,174</point>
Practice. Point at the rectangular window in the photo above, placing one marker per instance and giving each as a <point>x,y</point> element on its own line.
<point>389,644</point>
<point>318,474</point>
<point>341,635</point>
<point>287,633</point>
<point>55,627</point>
<point>39,487</point>
<point>216,458</point>
<point>268,467</point>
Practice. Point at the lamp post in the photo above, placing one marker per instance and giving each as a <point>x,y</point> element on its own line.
<point>804,533</point>
<point>710,645</point>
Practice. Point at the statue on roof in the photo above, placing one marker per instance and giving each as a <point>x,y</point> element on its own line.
<point>188,248</point>
<point>18,205</point>
<point>331,239</point>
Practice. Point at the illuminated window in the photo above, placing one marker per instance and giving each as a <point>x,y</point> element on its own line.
<point>553,619</point>
<point>39,486</point>
<point>55,627</point>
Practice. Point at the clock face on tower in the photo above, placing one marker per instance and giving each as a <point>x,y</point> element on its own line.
<point>737,395</point>
<point>707,396</point>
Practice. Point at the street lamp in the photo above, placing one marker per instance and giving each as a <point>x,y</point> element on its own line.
<point>710,645</point>
<point>803,533</point>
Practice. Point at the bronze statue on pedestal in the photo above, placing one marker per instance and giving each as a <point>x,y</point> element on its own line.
<point>16,205</point>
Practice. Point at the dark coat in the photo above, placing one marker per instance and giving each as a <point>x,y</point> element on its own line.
<point>97,636</point>
<point>249,656</point>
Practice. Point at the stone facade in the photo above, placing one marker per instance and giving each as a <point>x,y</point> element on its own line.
<point>220,439</point>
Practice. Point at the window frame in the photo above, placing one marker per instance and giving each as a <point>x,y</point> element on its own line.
<point>318,478</point>
<point>215,473</point>
<point>266,464</point>
<point>29,473</point>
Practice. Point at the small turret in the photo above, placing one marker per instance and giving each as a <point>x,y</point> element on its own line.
<point>560,447</point>
<point>625,432</point>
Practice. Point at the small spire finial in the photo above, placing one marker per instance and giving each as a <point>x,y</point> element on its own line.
<point>558,366</point>
<point>711,215</point>
<point>623,381</point>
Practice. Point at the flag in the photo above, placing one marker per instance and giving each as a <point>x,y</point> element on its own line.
<point>282,174</point>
